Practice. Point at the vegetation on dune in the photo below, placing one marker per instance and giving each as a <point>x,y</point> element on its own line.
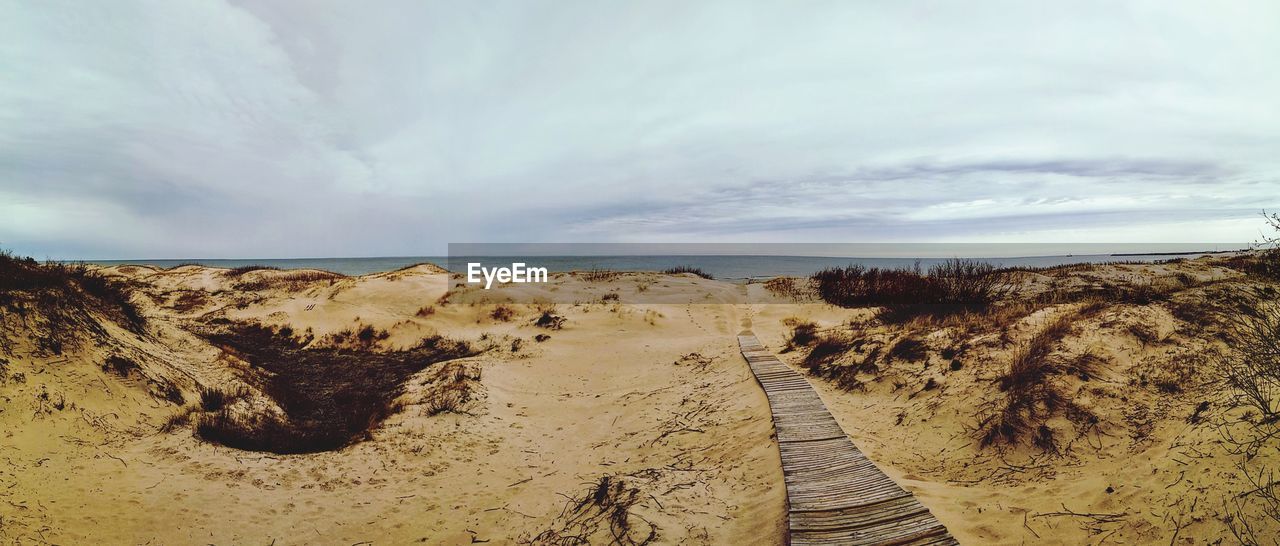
<point>60,303</point>
<point>238,271</point>
<point>949,287</point>
<point>682,269</point>
<point>549,319</point>
<point>1032,391</point>
<point>329,397</point>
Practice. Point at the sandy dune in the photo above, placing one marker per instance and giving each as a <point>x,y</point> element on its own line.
<point>650,402</point>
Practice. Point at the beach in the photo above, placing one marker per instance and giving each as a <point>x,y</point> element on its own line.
<point>113,437</point>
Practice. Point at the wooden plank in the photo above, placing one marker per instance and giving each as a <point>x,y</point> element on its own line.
<point>835,494</point>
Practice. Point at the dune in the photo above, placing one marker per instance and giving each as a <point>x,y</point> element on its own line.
<point>551,413</point>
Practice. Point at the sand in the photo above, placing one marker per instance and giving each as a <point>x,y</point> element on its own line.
<point>654,396</point>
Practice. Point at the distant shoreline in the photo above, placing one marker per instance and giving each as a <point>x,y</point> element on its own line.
<point>727,267</point>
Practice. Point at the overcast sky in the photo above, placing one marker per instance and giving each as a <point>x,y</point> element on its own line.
<point>174,129</point>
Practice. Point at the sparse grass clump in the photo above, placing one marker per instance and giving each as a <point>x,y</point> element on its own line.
<point>189,301</point>
<point>238,271</point>
<point>825,350</point>
<point>290,280</point>
<point>119,365</point>
<point>451,388</point>
<point>176,421</point>
<point>214,399</point>
<point>599,275</point>
<point>1031,392</point>
<point>803,334</point>
<point>608,503</point>
<point>329,397</point>
<point>787,287</point>
<point>363,337</point>
<point>908,349</point>
<point>682,269</point>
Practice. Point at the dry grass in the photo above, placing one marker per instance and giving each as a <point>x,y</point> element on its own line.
<point>908,349</point>
<point>120,366</point>
<point>610,502</point>
<point>549,319</point>
<point>451,388</point>
<point>803,334</point>
<point>682,269</point>
<point>290,280</point>
<point>1031,390</point>
<point>502,313</point>
<point>238,271</point>
<point>190,300</point>
<point>598,275</point>
<point>951,287</point>
<point>361,338</point>
<point>214,399</point>
<point>63,295</point>
<point>329,397</point>
<point>788,287</point>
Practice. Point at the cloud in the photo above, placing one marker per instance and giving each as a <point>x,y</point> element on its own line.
<point>215,129</point>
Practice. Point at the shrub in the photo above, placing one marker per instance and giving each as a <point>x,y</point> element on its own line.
<point>949,287</point>
<point>599,275</point>
<point>1252,369</point>
<point>502,313</point>
<point>803,334</point>
<point>329,397</point>
<point>238,271</point>
<point>1266,261</point>
<point>826,350</point>
<point>452,387</point>
<point>119,365</point>
<point>908,349</point>
<point>214,399</point>
<point>682,269</point>
<point>176,421</point>
<point>786,287</point>
<point>549,320</point>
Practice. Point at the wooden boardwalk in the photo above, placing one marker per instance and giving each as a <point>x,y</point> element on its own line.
<point>834,494</point>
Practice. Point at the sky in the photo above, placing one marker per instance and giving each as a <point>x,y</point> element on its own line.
<point>228,129</point>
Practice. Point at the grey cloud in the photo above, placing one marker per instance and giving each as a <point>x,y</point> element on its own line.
<point>303,128</point>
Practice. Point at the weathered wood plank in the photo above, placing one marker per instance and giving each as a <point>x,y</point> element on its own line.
<point>835,494</point>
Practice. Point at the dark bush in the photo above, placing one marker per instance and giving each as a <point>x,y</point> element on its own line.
<point>681,269</point>
<point>119,365</point>
<point>803,334</point>
<point>238,271</point>
<point>908,349</point>
<point>214,399</point>
<point>949,287</point>
<point>549,320</point>
<point>330,397</point>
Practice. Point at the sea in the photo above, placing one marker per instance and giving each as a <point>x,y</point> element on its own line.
<point>725,267</point>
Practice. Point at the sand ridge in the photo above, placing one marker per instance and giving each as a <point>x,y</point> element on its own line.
<point>648,407</point>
